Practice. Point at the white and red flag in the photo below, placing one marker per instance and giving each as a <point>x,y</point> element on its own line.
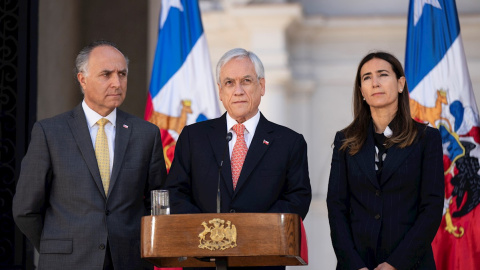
<point>182,88</point>
<point>441,94</point>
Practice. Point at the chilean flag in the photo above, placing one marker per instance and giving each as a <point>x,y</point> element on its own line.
<point>441,95</point>
<point>182,89</point>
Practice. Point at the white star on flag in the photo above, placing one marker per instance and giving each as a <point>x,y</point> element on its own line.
<point>419,8</point>
<point>166,8</point>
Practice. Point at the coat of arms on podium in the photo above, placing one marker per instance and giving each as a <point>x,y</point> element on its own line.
<point>222,235</point>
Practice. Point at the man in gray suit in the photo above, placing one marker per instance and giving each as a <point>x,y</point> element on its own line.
<point>77,212</point>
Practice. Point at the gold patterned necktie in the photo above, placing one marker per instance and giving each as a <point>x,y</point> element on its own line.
<point>102,154</point>
<point>239,153</point>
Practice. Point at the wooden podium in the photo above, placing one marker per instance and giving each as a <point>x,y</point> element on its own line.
<point>209,240</point>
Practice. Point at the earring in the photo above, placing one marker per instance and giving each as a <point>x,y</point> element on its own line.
<point>401,90</point>
<point>363,98</point>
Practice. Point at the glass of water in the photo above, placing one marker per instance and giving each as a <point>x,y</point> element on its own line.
<point>160,202</point>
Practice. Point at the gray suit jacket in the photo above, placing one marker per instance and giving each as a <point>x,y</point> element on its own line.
<point>60,204</point>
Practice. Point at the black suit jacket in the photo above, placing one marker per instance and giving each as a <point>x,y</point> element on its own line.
<point>274,177</point>
<point>395,219</point>
<point>60,204</point>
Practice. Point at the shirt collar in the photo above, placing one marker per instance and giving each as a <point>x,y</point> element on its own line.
<point>92,116</point>
<point>388,132</point>
<point>250,124</point>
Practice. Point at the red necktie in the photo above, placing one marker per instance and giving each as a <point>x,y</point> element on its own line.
<point>239,153</point>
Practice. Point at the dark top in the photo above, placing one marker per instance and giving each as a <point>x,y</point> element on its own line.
<point>392,218</point>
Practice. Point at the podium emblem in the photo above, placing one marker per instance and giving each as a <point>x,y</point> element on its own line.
<point>218,235</point>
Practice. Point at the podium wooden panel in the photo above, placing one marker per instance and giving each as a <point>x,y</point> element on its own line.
<point>262,240</point>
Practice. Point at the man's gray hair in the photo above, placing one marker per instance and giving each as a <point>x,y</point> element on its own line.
<point>81,63</point>
<point>239,53</point>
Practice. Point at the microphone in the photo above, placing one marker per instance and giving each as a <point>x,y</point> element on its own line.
<point>228,139</point>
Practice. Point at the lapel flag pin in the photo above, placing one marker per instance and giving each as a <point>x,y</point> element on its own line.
<point>266,142</point>
<point>125,126</point>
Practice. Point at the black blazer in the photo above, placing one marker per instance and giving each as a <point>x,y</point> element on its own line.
<point>393,220</point>
<point>274,176</point>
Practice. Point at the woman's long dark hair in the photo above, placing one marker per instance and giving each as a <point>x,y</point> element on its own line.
<point>403,126</point>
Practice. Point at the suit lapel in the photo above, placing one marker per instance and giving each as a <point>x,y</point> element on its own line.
<point>365,158</point>
<point>256,150</point>
<point>78,126</point>
<point>395,157</point>
<point>217,136</point>
<point>122,136</point>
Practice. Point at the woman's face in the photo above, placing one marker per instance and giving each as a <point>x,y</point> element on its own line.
<point>379,85</point>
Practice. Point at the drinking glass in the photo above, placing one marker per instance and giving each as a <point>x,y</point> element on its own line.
<point>160,202</point>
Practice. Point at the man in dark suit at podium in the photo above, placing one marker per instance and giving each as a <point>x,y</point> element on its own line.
<point>266,170</point>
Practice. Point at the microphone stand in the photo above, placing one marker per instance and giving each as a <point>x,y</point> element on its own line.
<point>228,139</point>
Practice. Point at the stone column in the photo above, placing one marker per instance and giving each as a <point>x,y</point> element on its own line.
<point>59,42</point>
<point>266,27</point>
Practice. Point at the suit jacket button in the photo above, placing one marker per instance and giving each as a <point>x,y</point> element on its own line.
<point>377,216</point>
<point>102,246</point>
<point>232,210</point>
<point>107,212</point>
<point>377,192</point>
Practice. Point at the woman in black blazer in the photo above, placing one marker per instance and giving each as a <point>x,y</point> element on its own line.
<point>386,187</point>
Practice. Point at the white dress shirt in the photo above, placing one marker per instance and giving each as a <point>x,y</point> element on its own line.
<point>387,133</point>
<point>250,127</point>
<point>92,118</point>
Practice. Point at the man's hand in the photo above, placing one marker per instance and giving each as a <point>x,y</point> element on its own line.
<point>385,266</point>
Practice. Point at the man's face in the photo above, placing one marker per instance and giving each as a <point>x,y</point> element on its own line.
<point>239,89</point>
<point>105,81</point>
